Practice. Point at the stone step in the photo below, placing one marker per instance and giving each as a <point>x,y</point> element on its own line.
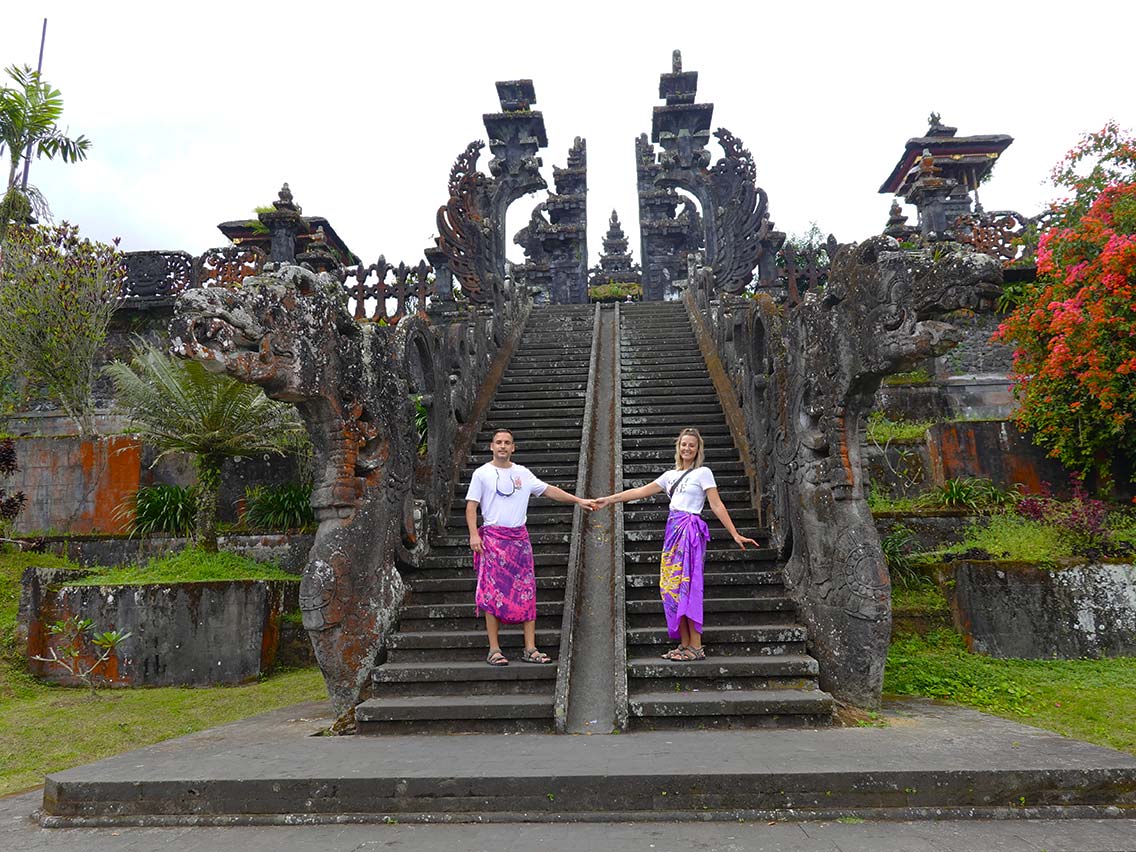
<point>467,673</point>
<point>656,419</point>
<point>454,713</point>
<point>463,589</point>
<point>771,577</point>
<point>716,555</point>
<point>716,609</point>
<point>717,635</point>
<point>441,615</point>
<point>734,708</point>
<point>716,667</point>
<point>658,516</point>
<point>455,641</point>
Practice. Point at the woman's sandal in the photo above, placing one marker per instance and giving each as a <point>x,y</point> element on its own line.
<point>532,655</point>
<point>696,654</point>
<point>496,658</point>
<point>677,655</point>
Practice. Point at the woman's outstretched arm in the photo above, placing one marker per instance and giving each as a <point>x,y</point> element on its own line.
<point>629,495</point>
<point>720,512</point>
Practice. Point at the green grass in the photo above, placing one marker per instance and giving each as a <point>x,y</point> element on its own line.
<point>1092,700</point>
<point>919,599</point>
<point>912,377</point>
<point>45,728</point>
<point>187,566</point>
<point>1010,537</point>
<point>881,430</point>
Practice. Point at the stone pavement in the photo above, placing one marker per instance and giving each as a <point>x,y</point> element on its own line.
<point>853,789</point>
<point>18,833</point>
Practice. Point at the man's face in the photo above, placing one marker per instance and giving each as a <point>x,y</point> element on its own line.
<point>502,446</point>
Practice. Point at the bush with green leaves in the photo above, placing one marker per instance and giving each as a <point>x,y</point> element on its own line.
<point>161,509</point>
<point>279,507</point>
<point>178,406</point>
<point>58,293</point>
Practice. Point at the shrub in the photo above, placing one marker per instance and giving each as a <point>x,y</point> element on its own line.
<point>10,504</point>
<point>898,546</point>
<point>161,509</point>
<point>280,507</point>
<point>972,494</point>
<point>57,295</point>
<point>1074,331</point>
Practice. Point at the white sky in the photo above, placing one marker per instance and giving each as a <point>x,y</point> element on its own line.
<point>198,112</point>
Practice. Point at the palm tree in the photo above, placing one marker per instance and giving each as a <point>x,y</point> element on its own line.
<point>178,406</point>
<point>29,116</point>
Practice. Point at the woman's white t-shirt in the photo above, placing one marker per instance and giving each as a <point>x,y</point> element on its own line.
<point>503,493</point>
<point>690,496</point>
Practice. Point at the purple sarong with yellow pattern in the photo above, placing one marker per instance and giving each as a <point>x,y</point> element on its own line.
<point>506,582</point>
<point>680,569</point>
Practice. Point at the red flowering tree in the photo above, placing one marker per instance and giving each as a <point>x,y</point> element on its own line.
<point>1074,332</point>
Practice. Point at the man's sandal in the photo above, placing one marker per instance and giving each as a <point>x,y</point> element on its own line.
<point>532,655</point>
<point>496,658</point>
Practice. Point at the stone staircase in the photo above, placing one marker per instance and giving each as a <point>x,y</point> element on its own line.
<point>757,671</point>
<point>435,678</point>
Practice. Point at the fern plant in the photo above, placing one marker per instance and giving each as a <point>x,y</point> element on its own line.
<point>279,507</point>
<point>161,509</point>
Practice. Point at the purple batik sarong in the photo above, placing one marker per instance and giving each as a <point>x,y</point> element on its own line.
<point>506,582</point>
<point>680,569</point>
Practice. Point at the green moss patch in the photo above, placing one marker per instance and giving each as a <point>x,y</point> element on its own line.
<point>187,566</point>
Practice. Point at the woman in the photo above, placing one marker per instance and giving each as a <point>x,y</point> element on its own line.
<point>688,486</point>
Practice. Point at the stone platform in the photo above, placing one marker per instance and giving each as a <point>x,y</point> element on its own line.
<point>928,762</point>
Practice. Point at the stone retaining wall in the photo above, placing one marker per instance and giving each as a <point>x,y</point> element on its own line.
<point>288,550</point>
<point>188,634</point>
<point>1015,609</point>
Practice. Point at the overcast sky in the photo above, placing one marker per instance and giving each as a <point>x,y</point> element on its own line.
<point>198,112</point>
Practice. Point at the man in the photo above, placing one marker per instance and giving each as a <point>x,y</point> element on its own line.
<point>502,553</point>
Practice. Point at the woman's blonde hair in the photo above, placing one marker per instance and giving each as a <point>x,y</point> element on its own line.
<point>699,457</point>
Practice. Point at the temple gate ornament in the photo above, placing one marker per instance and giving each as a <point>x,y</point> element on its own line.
<point>737,231</point>
<point>471,225</point>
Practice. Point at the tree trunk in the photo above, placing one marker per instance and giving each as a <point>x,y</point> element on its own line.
<point>208,484</point>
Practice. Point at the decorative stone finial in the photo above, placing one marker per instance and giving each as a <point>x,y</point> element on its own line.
<point>676,62</point>
<point>284,200</point>
<point>934,118</point>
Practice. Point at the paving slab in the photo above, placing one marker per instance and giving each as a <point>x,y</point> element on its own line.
<point>929,762</point>
<point>20,833</point>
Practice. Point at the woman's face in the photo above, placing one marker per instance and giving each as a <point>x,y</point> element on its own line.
<point>687,448</point>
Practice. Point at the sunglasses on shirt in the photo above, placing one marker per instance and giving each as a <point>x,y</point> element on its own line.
<point>512,484</point>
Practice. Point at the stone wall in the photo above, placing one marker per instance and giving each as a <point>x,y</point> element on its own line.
<point>74,485</point>
<point>191,634</point>
<point>1014,609</point>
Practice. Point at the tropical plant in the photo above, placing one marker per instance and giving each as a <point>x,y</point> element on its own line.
<point>30,111</point>
<point>58,293</point>
<point>279,507</point>
<point>71,655</point>
<point>421,424</point>
<point>1074,331</point>
<point>161,509</point>
<point>178,406</point>
<point>898,546</point>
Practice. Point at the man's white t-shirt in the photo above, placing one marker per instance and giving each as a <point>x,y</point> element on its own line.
<point>503,493</point>
<point>690,496</point>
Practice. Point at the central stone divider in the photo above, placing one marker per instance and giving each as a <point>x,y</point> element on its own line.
<point>435,678</point>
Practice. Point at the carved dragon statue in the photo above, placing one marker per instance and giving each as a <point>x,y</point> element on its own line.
<point>823,361</point>
<point>290,332</point>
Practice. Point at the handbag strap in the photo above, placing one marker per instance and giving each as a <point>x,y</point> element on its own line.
<point>677,482</point>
